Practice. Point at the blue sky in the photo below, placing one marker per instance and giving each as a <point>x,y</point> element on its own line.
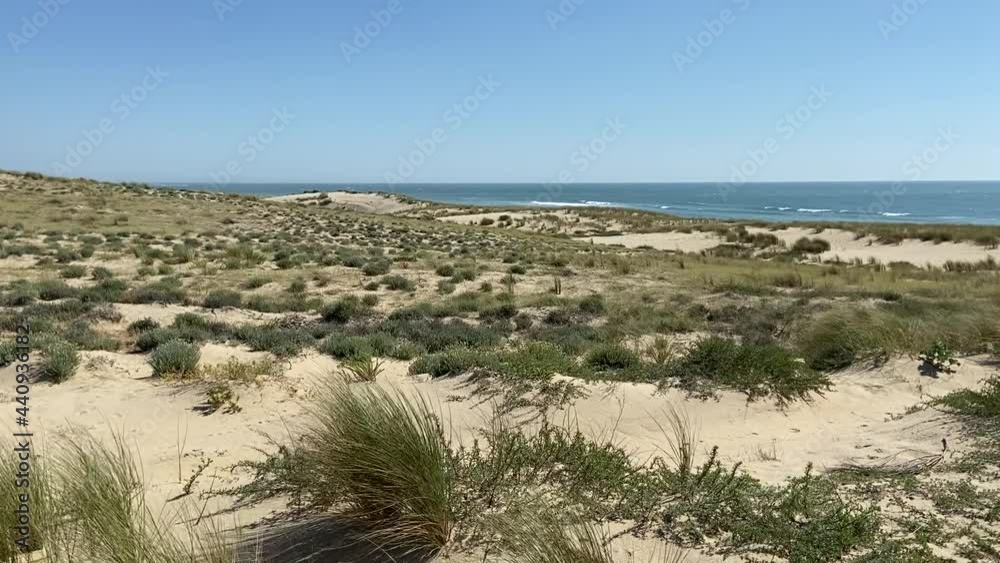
<point>559,72</point>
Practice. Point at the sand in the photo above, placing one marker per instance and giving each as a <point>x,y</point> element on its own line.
<point>379,204</point>
<point>844,246</point>
<point>858,421</point>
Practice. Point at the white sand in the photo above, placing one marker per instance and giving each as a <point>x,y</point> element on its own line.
<point>851,423</point>
<point>363,202</point>
<point>843,246</point>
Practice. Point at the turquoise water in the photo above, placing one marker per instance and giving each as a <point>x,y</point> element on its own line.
<point>910,202</point>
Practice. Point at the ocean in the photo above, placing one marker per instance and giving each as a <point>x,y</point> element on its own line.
<point>900,202</point>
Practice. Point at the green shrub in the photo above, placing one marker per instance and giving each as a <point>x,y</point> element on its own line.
<point>105,291</point>
<point>445,270</point>
<point>377,268</point>
<point>166,290</point>
<point>221,298</point>
<point>612,356</point>
<point>175,358</point>
<point>150,339</point>
<point>60,362</point>
<point>280,341</point>
<point>346,347</point>
<point>255,282</point>
<point>342,310</point>
<point>757,370</point>
<point>445,287</point>
<point>84,337</point>
<point>101,273</point>
<point>369,300</point>
<point>806,245</point>
<point>397,282</point>
<point>383,459</point>
<point>51,290</point>
<point>501,311</point>
<point>593,304</point>
<point>142,325</point>
<point>454,361</point>
<point>72,272</point>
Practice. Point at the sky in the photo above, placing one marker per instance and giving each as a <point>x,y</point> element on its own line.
<point>500,90</point>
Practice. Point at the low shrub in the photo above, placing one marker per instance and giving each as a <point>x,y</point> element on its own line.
<point>60,362</point>
<point>221,298</point>
<point>382,458</point>
<point>342,310</point>
<point>757,370</point>
<point>612,356</point>
<point>175,358</point>
<point>397,282</point>
<point>806,245</point>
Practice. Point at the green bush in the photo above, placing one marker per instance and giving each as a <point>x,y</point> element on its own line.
<point>377,268</point>
<point>142,325</point>
<point>51,290</point>
<point>446,287</point>
<point>382,456</point>
<point>72,272</point>
<point>757,370</point>
<point>346,347</point>
<point>60,362</point>
<point>221,298</point>
<point>593,304</point>
<point>342,310</point>
<point>806,245</point>
<point>612,356</point>
<point>397,282</point>
<point>101,273</point>
<point>166,290</point>
<point>445,270</point>
<point>105,291</point>
<point>175,358</point>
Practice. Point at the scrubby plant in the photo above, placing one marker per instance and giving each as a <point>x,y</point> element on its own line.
<point>593,304</point>
<point>342,310</point>
<point>60,362</point>
<point>397,282</point>
<point>940,357</point>
<point>346,347</point>
<point>378,267</point>
<point>382,458</point>
<point>221,298</point>
<point>142,325</point>
<point>760,371</point>
<point>612,356</point>
<point>175,358</point>
<point>73,272</point>
<point>361,369</point>
<point>806,245</point>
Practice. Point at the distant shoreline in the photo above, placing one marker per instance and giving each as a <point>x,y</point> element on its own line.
<point>926,203</point>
